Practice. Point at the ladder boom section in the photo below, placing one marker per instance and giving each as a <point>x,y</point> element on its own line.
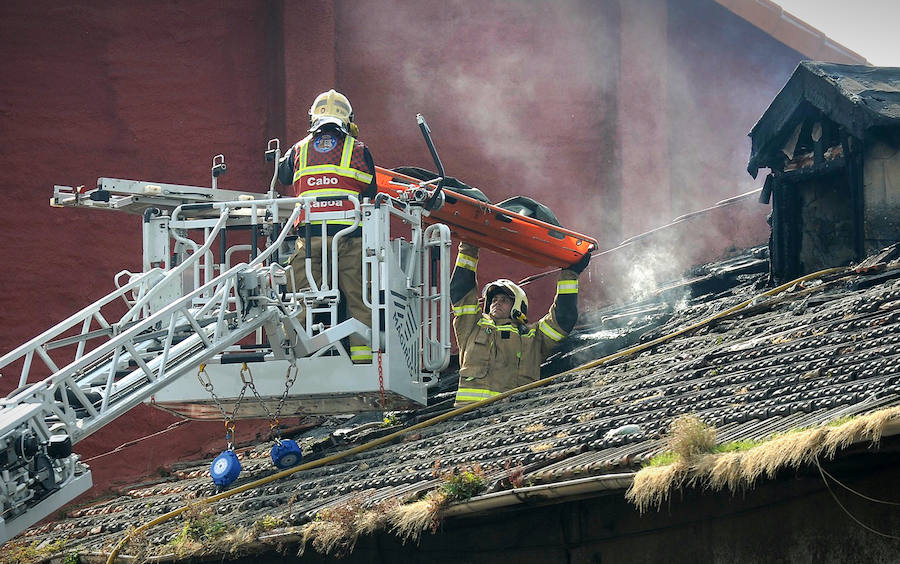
<point>40,422</point>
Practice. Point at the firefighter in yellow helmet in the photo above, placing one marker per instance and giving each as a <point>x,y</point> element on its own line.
<point>331,161</point>
<point>498,349</point>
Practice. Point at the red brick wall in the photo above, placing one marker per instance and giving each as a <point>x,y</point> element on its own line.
<point>143,90</point>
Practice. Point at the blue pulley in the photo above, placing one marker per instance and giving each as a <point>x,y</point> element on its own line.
<point>225,468</point>
<point>286,453</point>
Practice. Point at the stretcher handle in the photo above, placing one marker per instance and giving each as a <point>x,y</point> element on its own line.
<point>426,133</point>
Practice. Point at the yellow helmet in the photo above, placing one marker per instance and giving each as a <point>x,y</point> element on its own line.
<point>331,107</point>
<point>520,300</point>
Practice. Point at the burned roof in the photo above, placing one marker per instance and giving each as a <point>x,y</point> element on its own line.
<point>747,360</point>
<point>855,97</point>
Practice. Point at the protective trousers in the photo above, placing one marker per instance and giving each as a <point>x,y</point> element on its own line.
<point>349,251</point>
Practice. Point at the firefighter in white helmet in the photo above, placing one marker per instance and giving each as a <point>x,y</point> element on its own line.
<point>498,349</point>
<point>331,161</point>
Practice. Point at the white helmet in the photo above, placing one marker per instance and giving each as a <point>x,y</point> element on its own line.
<point>519,309</point>
<point>331,107</point>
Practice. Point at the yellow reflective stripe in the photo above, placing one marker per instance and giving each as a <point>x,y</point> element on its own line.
<point>467,310</point>
<point>318,169</point>
<point>487,322</point>
<point>465,261</point>
<point>328,192</point>
<point>550,331</point>
<point>324,169</point>
<point>361,352</point>
<point>303,147</point>
<point>474,394</point>
<point>348,150</point>
<point>301,162</point>
<point>567,287</point>
<point>363,177</point>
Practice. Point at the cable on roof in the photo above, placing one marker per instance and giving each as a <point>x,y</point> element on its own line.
<point>459,411</point>
<point>851,490</point>
<point>126,444</point>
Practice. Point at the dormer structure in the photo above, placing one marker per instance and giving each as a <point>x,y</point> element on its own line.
<point>831,140</point>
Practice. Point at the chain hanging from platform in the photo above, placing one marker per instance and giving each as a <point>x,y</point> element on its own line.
<point>289,378</point>
<point>229,419</point>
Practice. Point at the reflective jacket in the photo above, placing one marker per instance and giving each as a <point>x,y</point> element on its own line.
<point>329,163</point>
<point>496,355</point>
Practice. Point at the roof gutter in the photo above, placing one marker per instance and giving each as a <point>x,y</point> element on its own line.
<point>541,494</point>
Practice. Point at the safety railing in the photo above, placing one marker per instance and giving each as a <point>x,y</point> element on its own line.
<point>436,298</point>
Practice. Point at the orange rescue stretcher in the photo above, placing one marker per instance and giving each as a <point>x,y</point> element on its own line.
<point>490,227</point>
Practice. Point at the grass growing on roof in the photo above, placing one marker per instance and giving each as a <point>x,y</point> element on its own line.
<point>540,447</point>
<point>463,484</point>
<point>737,446</point>
<point>23,552</point>
<point>267,523</point>
<point>336,529</point>
<point>410,520</point>
<point>663,459</point>
<point>669,457</point>
<point>841,420</point>
<point>739,464</point>
<point>690,437</point>
<point>201,525</point>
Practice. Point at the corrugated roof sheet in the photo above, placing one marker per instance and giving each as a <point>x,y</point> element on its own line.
<point>821,350</point>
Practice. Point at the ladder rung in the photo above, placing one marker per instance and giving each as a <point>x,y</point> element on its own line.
<point>65,341</point>
<point>238,357</point>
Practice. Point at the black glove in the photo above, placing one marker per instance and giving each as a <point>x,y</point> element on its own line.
<point>579,266</point>
<point>468,249</point>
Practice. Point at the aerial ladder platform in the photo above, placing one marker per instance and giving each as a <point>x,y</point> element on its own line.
<point>213,315</point>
